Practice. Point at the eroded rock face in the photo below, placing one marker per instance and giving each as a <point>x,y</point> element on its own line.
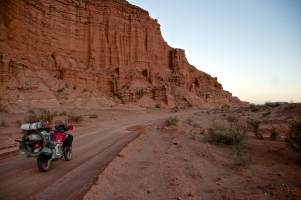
<point>107,50</point>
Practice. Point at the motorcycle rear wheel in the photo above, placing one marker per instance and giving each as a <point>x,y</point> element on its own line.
<point>44,165</point>
<point>67,154</point>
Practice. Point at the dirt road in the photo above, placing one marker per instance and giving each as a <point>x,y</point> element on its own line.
<point>93,148</point>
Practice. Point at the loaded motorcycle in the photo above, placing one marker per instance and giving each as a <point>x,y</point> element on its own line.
<point>40,143</point>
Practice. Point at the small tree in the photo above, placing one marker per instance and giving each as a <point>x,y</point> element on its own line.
<point>232,119</point>
<point>173,121</point>
<point>293,137</point>
<point>254,126</point>
<point>274,134</point>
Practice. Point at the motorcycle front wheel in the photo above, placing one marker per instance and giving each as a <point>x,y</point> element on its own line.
<point>44,165</point>
<point>67,153</point>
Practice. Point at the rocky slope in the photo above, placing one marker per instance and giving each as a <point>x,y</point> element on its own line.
<point>95,53</point>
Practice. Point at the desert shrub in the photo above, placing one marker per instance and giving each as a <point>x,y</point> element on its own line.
<point>266,114</point>
<point>232,119</point>
<point>42,114</point>
<point>55,114</point>
<point>252,105</point>
<point>192,123</point>
<point>254,109</point>
<point>221,134</point>
<point>75,118</point>
<point>174,109</point>
<point>31,111</point>
<point>225,106</point>
<point>158,105</point>
<point>30,116</point>
<point>189,121</point>
<point>60,90</point>
<point>293,137</point>
<point>173,120</point>
<point>274,134</point>
<point>260,135</point>
<point>3,122</point>
<point>62,113</point>
<point>93,116</point>
<point>241,155</point>
<point>46,115</point>
<point>254,126</point>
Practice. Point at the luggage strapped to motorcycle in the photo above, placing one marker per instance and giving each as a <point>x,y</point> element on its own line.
<point>36,125</point>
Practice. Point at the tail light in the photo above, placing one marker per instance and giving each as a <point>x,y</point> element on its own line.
<point>37,145</point>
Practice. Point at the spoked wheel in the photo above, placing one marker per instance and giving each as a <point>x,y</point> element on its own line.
<point>68,153</point>
<point>27,144</point>
<point>44,165</point>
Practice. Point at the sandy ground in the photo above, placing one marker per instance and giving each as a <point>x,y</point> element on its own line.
<point>174,162</point>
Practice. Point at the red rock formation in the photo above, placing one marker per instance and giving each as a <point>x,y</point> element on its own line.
<point>106,50</point>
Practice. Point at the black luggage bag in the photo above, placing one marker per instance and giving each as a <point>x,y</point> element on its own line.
<point>68,141</point>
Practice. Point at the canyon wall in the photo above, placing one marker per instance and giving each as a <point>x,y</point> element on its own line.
<point>97,53</point>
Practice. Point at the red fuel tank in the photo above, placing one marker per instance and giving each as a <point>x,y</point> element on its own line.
<point>58,137</point>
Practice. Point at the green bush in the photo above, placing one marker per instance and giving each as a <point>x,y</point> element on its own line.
<point>42,114</point>
<point>241,155</point>
<point>254,126</point>
<point>46,115</point>
<point>158,105</point>
<point>232,119</point>
<point>75,118</point>
<point>93,116</point>
<point>173,120</point>
<point>221,134</point>
<point>31,111</point>
<point>174,109</point>
<point>252,105</point>
<point>255,109</point>
<point>266,114</point>
<point>30,118</point>
<point>293,137</point>
<point>62,113</point>
<point>274,134</point>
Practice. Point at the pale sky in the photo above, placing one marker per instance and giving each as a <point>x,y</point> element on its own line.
<point>253,47</point>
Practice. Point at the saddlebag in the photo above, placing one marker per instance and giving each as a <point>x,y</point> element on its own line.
<point>68,141</point>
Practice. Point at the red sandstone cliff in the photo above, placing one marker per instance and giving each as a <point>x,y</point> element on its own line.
<point>98,51</point>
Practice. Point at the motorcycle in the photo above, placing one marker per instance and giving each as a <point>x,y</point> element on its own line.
<point>40,143</point>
